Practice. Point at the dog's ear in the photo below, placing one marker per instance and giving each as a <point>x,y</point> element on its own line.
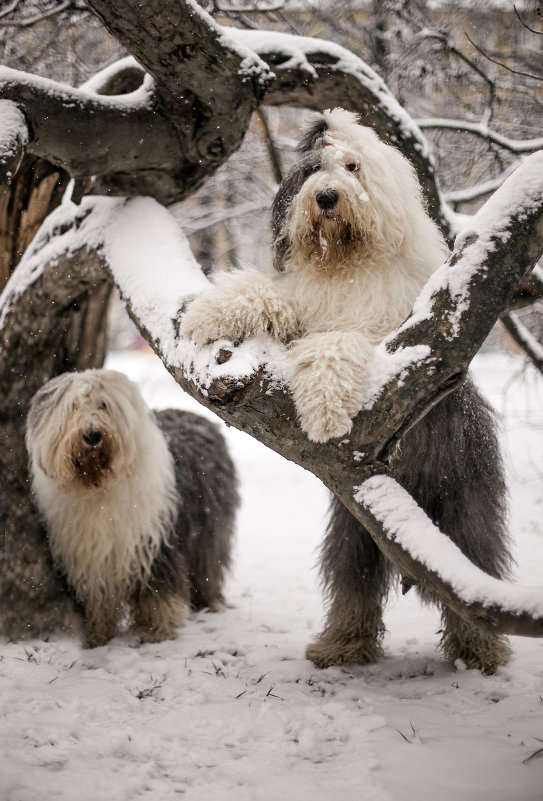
<point>313,137</point>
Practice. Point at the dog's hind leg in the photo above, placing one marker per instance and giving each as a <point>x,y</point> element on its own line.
<point>451,463</point>
<point>356,577</point>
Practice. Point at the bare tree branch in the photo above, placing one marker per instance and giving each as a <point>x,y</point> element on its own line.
<point>525,24</point>
<point>27,22</point>
<point>9,9</point>
<point>501,64</point>
<point>525,339</point>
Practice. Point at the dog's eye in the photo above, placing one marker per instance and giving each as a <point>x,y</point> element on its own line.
<point>351,166</point>
<point>103,405</point>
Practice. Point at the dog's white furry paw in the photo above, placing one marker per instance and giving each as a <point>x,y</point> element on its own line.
<point>324,423</point>
<point>239,305</point>
<point>206,320</point>
<point>327,381</point>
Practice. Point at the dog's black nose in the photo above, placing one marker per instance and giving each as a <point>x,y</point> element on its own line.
<point>327,199</point>
<point>92,437</point>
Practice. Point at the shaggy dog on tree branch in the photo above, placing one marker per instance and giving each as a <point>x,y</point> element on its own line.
<point>139,506</point>
<point>353,247</point>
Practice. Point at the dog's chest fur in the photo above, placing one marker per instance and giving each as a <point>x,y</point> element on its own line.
<point>366,299</point>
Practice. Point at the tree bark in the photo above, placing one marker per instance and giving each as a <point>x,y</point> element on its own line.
<point>34,192</point>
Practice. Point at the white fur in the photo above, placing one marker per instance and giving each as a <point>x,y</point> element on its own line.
<point>349,278</point>
<point>104,537</point>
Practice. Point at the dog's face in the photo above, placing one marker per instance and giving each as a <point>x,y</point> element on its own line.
<point>81,428</point>
<point>344,201</point>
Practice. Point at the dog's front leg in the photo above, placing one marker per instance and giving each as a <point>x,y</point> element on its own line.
<point>241,304</point>
<point>100,623</point>
<point>327,380</point>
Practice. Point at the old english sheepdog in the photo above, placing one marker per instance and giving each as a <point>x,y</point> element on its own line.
<point>353,246</point>
<point>139,506</point>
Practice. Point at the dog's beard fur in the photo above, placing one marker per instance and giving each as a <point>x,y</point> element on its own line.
<point>92,464</point>
<point>325,241</point>
<point>110,507</point>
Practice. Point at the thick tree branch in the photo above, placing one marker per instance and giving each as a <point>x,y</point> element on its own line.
<point>126,136</point>
<point>405,533</point>
<point>169,136</point>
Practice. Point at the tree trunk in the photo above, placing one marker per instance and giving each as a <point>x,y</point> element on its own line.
<point>35,346</point>
<point>33,193</point>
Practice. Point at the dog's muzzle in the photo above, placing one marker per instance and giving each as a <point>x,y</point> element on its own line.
<point>92,460</point>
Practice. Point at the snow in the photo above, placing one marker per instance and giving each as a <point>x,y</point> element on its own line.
<point>296,51</point>
<point>13,130</point>
<point>68,94</point>
<point>232,710</point>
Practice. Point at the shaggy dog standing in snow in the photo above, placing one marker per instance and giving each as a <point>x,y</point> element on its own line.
<point>139,506</point>
<point>353,247</point>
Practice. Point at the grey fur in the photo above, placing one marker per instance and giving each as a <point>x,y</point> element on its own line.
<point>309,163</point>
<point>208,499</point>
<point>451,463</point>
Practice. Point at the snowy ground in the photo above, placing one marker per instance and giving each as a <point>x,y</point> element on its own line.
<point>232,710</point>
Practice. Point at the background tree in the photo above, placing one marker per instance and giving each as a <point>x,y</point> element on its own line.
<point>160,126</point>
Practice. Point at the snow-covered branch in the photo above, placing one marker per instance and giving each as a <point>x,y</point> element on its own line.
<point>126,134</point>
<point>425,554</point>
<point>482,131</point>
<point>167,134</point>
<point>14,136</point>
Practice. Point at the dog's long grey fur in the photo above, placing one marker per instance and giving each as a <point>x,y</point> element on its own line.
<point>451,463</point>
<point>208,499</point>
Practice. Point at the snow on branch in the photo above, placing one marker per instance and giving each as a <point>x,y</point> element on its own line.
<point>122,130</point>
<point>14,136</point>
<point>408,534</point>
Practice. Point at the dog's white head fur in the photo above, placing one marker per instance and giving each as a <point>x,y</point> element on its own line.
<point>82,428</point>
<point>361,204</point>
